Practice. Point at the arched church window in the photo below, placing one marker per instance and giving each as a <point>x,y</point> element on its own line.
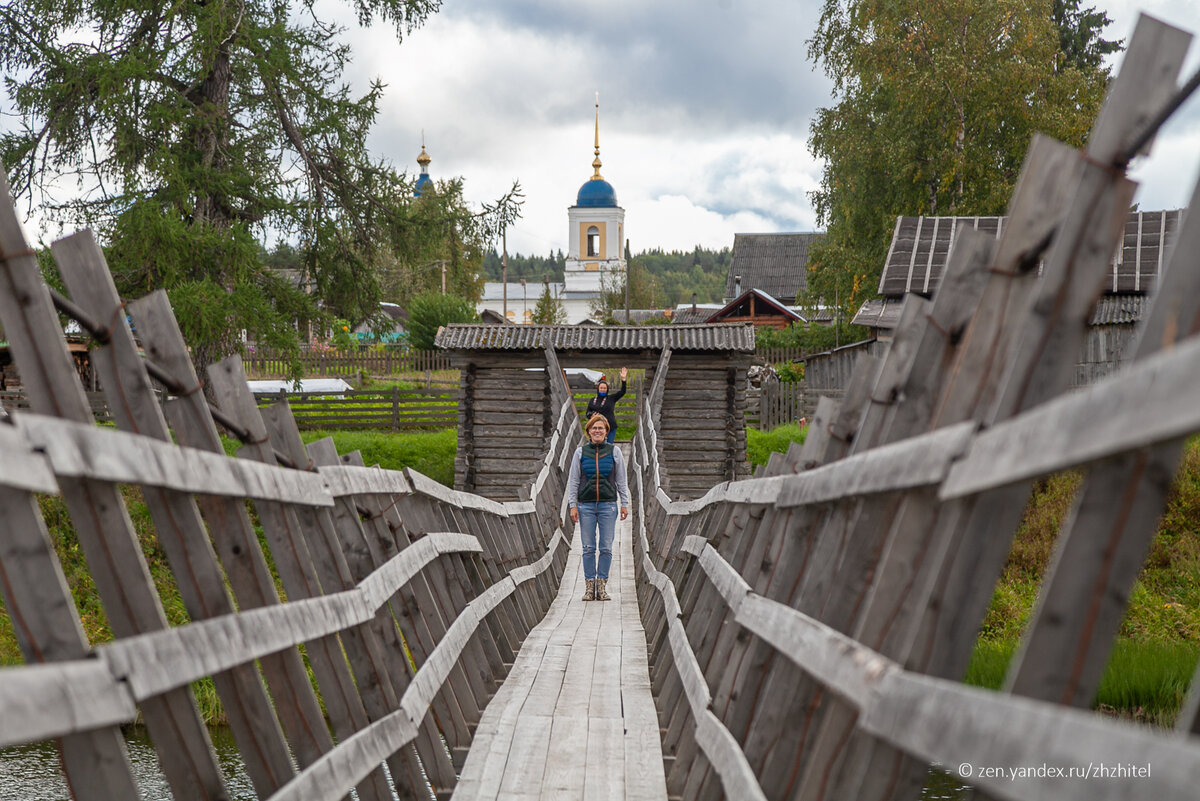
<point>593,241</point>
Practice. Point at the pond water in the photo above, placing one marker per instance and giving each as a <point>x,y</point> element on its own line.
<point>31,772</point>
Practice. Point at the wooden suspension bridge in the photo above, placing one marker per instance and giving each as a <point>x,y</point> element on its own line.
<point>796,635</point>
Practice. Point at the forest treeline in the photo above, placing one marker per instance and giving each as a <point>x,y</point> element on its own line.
<point>674,275</point>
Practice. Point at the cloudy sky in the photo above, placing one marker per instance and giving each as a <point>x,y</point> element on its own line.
<point>705,107</point>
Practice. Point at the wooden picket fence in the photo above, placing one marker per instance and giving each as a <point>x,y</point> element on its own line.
<point>808,628</point>
<point>775,403</point>
<point>780,355</point>
<point>408,599</point>
<point>329,363</point>
<point>390,409</point>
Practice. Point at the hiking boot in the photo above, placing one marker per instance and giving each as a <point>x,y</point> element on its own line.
<point>590,593</point>
<point>602,591</point>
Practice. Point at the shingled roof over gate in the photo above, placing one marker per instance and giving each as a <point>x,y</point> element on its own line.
<point>920,247</point>
<point>716,337</point>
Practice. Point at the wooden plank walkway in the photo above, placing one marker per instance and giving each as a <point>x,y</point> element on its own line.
<point>575,718</point>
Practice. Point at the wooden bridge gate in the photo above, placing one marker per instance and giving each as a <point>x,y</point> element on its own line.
<point>805,629</point>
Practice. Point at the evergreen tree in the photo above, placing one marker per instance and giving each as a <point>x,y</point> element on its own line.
<point>1080,42</point>
<point>549,309</point>
<point>193,129</point>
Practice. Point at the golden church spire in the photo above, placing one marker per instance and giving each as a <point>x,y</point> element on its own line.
<point>596,162</point>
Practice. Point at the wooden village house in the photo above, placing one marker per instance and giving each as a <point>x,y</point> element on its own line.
<point>920,248</point>
<point>505,414</point>
<point>758,308</point>
<point>776,264</point>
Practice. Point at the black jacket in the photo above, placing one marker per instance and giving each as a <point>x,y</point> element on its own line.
<point>606,406</point>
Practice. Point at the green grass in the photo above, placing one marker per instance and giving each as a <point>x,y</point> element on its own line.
<point>430,453</point>
<point>761,444</point>
<point>1145,681</point>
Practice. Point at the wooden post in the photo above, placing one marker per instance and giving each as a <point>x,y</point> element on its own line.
<point>233,533</point>
<point>181,532</point>
<point>296,569</point>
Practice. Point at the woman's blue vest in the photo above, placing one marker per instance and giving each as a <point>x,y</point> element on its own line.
<point>595,479</point>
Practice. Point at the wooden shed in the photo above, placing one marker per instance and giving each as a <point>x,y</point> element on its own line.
<point>920,248</point>
<point>505,413</point>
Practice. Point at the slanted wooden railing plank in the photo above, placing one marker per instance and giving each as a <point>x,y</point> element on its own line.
<point>105,534</point>
<point>1103,544</point>
<point>293,560</point>
<point>233,534</point>
<point>360,753</point>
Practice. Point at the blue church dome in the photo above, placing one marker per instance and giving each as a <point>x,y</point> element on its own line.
<point>422,181</point>
<point>596,193</point>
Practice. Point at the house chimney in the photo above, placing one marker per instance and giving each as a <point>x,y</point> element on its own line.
<point>693,303</point>
<point>737,286</point>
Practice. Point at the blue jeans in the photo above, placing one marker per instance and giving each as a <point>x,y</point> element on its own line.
<point>612,436</point>
<point>600,515</point>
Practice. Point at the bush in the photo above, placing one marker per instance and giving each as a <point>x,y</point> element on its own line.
<point>809,337</point>
<point>430,311</point>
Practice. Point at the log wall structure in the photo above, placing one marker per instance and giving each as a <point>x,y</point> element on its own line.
<point>503,422</point>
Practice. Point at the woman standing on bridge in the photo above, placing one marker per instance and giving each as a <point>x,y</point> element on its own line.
<point>596,480</point>
<point>606,404</point>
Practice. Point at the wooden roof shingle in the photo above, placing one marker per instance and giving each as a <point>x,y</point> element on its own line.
<point>774,263</point>
<point>738,337</point>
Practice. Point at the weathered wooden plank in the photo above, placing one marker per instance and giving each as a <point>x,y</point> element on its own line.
<point>1102,546</point>
<point>423,485</point>
<point>943,721</point>
<point>79,450</point>
<point>423,622</point>
<point>47,629</point>
<point>22,468</point>
<point>1091,424</point>
<point>715,740</point>
<point>101,522</point>
<point>158,661</point>
<point>358,754</point>
<point>1030,367</point>
<point>916,539</point>
<point>605,762</point>
<point>965,725</point>
<point>293,561</point>
<point>181,532</point>
<point>42,702</point>
<point>233,534</point>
